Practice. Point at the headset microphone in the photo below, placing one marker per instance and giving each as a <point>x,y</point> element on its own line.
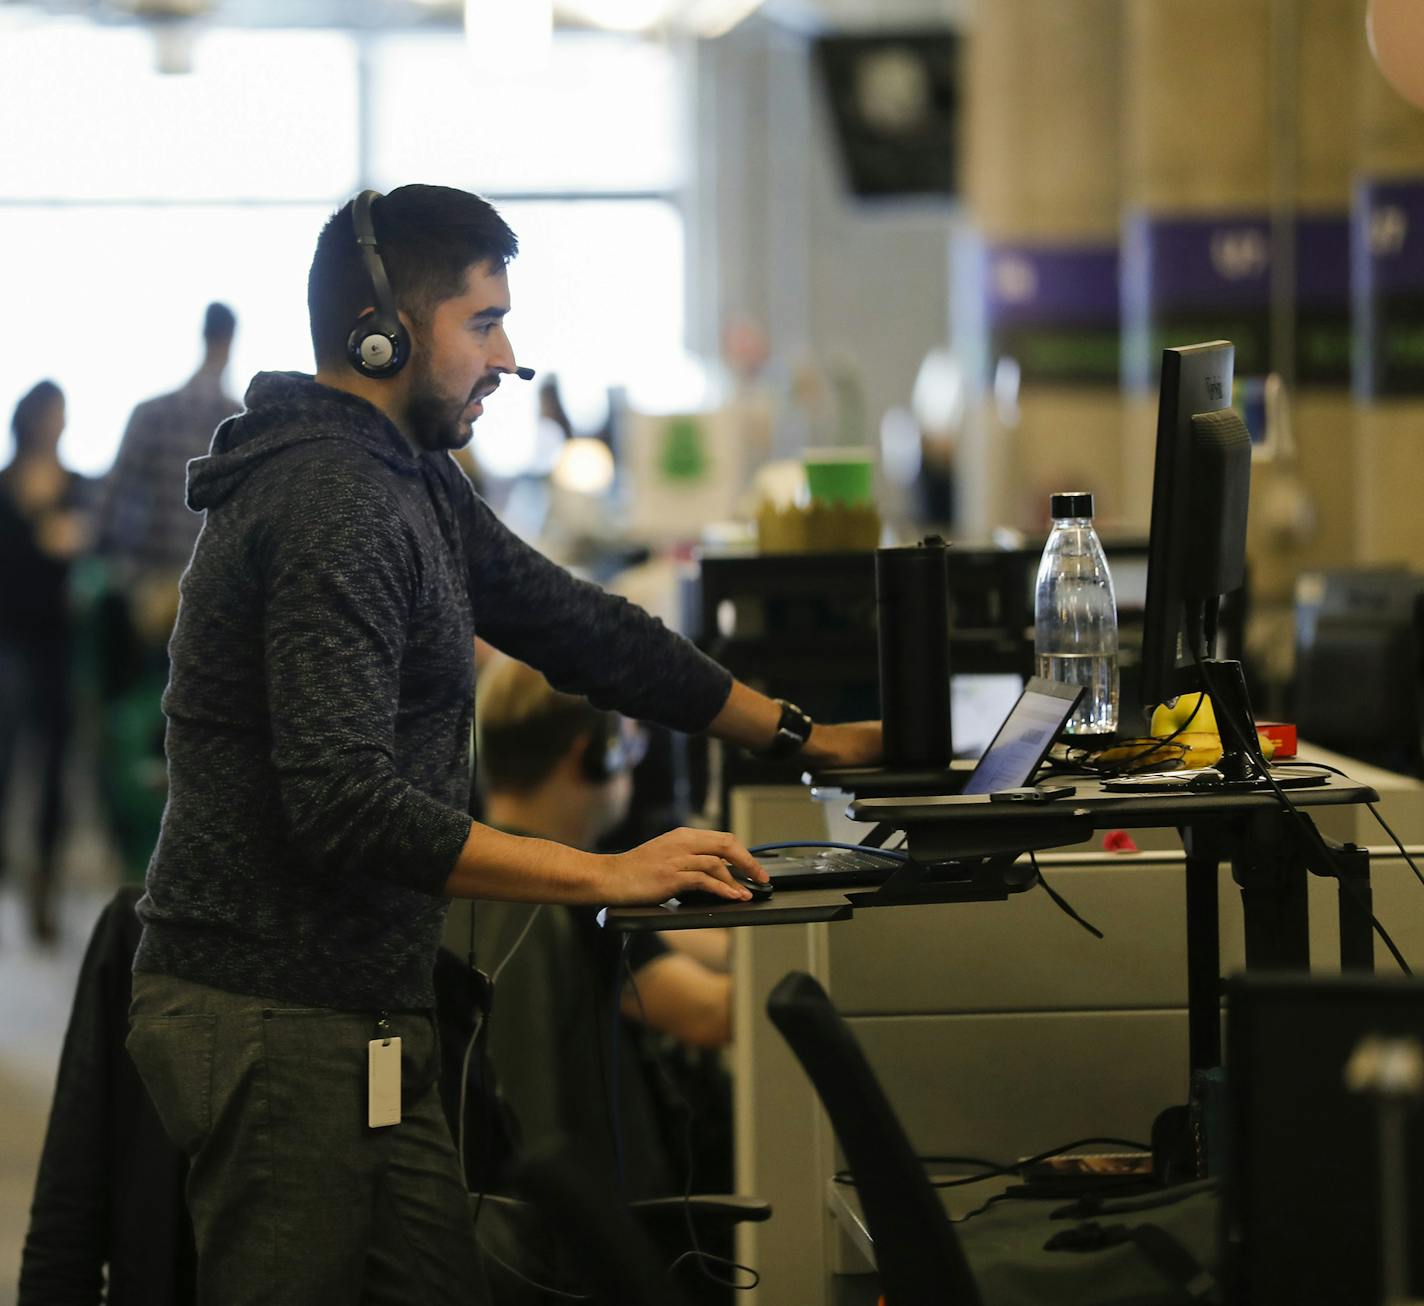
<point>524,373</point>
<point>378,344</point>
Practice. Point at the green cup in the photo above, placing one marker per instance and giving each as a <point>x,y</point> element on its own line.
<point>845,475</point>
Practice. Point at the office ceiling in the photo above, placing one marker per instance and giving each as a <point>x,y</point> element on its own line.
<point>807,15</point>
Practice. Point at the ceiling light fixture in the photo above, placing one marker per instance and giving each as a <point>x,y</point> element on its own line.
<point>705,18</point>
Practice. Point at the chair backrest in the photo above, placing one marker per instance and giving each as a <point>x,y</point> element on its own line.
<point>916,1250</point>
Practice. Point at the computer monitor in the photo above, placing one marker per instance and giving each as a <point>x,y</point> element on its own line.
<point>1304,1217</point>
<point>1200,492</point>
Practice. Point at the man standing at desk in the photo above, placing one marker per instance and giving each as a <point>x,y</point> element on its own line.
<point>319,713</point>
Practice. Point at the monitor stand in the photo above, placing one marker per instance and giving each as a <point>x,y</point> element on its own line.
<point>1242,768</point>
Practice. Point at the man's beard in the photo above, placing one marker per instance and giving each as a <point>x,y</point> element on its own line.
<point>433,420</point>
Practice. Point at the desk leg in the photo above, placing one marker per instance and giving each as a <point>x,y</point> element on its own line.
<point>1357,939</point>
<point>1270,868</point>
<point>1203,956</point>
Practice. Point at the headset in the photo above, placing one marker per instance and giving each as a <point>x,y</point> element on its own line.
<point>379,344</point>
<point>615,746</point>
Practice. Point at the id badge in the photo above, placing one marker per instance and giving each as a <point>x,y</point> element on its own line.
<point>383,1072</point>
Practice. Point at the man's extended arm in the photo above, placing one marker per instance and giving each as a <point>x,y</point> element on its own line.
<point>588,642</point>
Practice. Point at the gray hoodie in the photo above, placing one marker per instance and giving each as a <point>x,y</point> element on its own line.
<point>322,692</point>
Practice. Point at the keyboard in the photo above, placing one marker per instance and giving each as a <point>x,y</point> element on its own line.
<point>826,868</point>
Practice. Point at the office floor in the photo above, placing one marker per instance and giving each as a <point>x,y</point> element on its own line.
<point>36,989</point>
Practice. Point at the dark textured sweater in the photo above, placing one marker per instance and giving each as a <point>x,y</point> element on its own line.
<point>321,697</point>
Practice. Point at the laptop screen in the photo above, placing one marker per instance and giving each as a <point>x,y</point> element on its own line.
<point>1025,737</point>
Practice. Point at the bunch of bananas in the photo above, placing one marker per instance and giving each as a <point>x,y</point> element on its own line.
<point>1198,744</point>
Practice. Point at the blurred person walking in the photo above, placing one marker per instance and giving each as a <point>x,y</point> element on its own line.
<point>43,528</point>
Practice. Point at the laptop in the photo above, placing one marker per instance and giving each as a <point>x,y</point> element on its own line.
<point>1010,762</point>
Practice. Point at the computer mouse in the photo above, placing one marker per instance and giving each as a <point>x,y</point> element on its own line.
<point>704,897</point>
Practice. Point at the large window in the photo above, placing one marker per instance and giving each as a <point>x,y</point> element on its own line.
<point>130,198</point>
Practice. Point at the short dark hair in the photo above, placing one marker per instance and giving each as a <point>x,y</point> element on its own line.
<point>429,236</point>
<point>27,412</point>
<point>219,322</point>
<point>526,726</point>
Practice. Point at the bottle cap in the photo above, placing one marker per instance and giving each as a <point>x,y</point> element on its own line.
<point>1071,503</point>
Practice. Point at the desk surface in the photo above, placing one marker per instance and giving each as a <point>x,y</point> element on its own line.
<point>1107,807</point>
<point>972,816</point>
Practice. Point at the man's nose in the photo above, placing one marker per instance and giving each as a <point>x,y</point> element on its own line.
<point>502,359</point>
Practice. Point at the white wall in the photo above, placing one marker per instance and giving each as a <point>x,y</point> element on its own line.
<point>776,234</point>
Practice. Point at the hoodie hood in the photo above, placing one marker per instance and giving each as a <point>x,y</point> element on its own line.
<point>285,409</point>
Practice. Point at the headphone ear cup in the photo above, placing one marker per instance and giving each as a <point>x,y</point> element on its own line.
<point>377,346</point>
<point>599,765</point>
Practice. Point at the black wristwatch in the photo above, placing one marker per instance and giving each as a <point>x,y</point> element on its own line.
<point>792,732</point>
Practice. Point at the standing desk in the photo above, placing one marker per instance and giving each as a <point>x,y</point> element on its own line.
<point>783,1150</point>
<point>968,849</point>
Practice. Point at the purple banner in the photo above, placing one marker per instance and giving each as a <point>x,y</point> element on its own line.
<point>1052,286</point>
<point>1322,261</point>
<point>1388,243</point>
<point>1190,279</point>
<point>1322,300</point>
<point>1387,259</point>
<point>1199,263</point>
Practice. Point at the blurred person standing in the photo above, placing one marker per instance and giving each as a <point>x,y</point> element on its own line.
<point>145,533</point>
<point>43,528</point>
<point>145,525</point>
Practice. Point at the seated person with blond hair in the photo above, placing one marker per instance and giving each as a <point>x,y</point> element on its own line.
<point>552,766</point>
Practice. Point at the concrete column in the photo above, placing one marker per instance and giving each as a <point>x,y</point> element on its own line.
<point>1197,191</point>
<point>1389,319</point>
<point>1042,149</point>
<point>1324,36</point>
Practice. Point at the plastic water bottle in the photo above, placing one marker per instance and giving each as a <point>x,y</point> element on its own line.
<point>1075,615</point>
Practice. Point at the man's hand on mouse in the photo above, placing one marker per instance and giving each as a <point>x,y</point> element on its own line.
<point>679,861</point>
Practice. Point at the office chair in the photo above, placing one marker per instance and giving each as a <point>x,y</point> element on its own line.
<point>1136,1250</point>
<point>549,1049</point>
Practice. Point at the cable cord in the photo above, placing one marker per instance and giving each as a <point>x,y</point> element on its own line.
<point>564,1294</point>
<point>1252,748</point>
<point>679,1099</point>
<point>1374,811</point>
<point>615,1105</point>
<point>1083,764</point>
<point>474,1038</point>
<point>480,1025</point>
<point>1061,902</point>
<point>998,1169</point>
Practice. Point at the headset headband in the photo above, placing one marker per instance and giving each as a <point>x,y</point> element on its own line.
<point>370,251</point>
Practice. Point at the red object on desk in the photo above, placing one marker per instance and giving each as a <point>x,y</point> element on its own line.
<point>1284,735</point>
<point>1118,841</point>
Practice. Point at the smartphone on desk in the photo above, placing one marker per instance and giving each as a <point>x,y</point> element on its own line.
<point>1032,794</point>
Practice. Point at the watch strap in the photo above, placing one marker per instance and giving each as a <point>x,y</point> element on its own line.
<point>793,729</point>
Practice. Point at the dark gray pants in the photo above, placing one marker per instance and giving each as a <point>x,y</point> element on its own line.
<point>295,1200</point>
